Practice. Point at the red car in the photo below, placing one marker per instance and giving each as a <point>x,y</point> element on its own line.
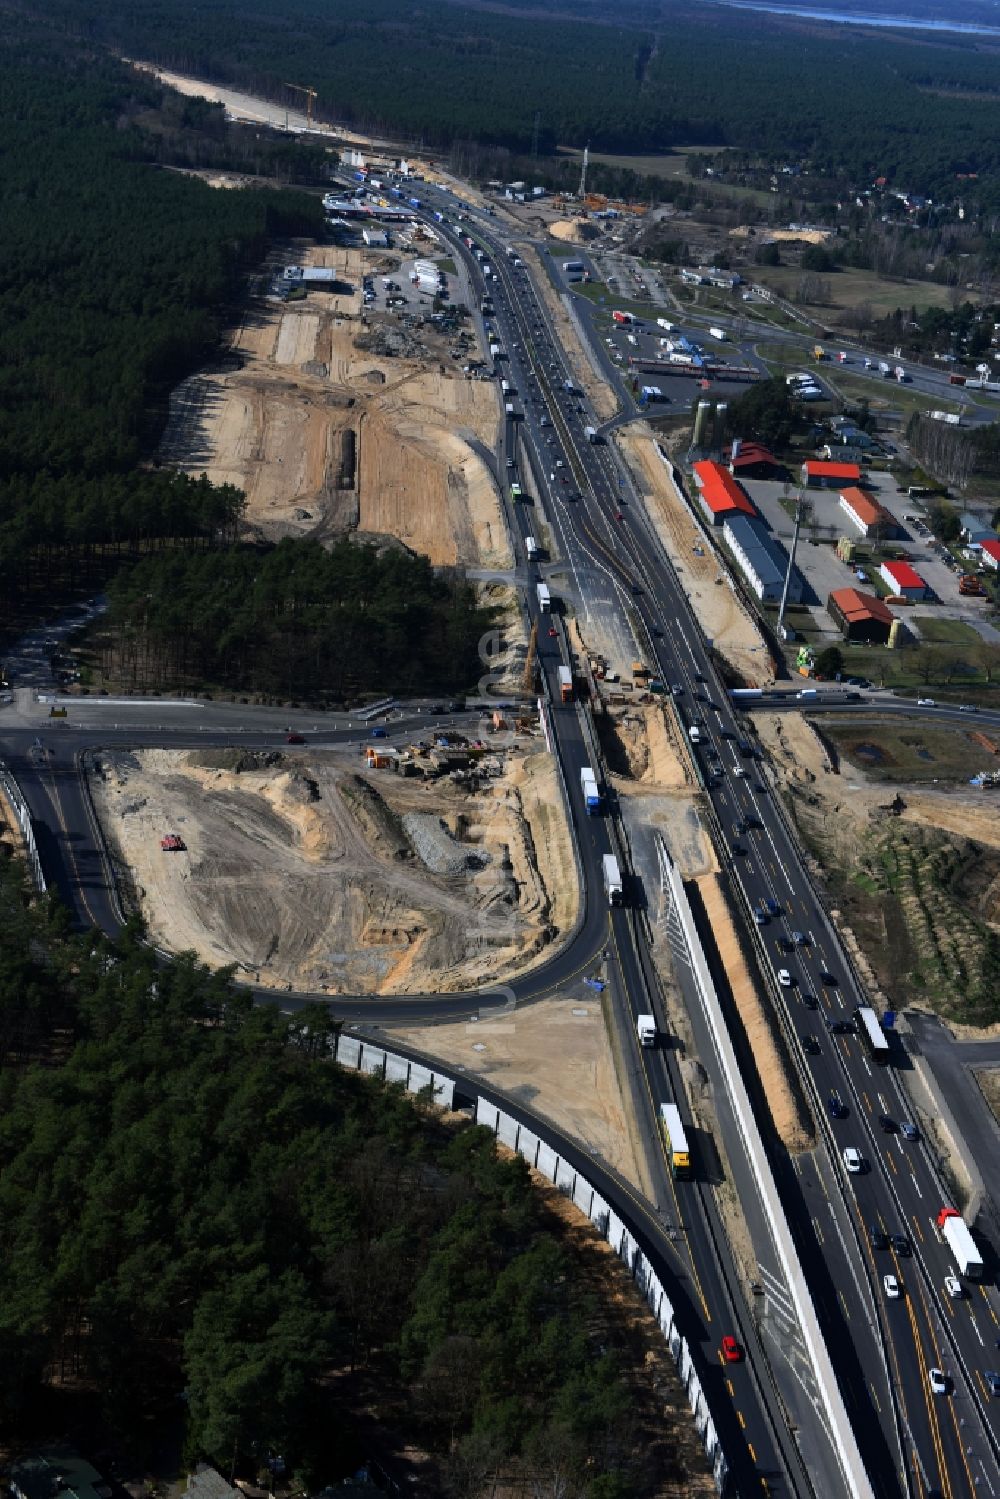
<point>553,631</point>
<point>294,739</point>
<point>731,1350</point>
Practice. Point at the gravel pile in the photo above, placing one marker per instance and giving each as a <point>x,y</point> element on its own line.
<point>436,847</point>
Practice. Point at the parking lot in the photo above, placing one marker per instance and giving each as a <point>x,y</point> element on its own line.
<point>823,570</point>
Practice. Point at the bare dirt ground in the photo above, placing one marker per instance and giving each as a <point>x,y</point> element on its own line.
<point>327,436</point>
<point>555,1056</point>
<point>790,1121</point>
<point>719,611</point>
<point>914,871</point>
<point>310,871</point>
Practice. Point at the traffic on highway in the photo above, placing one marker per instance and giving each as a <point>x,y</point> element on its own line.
<point>914,1336</point>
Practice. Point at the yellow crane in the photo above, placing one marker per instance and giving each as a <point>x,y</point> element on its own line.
<point>310,94</point>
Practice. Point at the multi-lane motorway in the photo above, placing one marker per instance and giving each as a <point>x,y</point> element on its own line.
<point>912,1441</point>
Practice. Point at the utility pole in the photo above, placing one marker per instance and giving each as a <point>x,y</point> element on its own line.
<point>582,189</point>
<point>800,510</point>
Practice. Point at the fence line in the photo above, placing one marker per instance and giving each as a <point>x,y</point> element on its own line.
<point>19,806</point>
<point>364,1056</point>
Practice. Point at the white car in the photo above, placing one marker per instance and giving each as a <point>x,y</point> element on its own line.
<point>784,978</point>
<point>938,1383</point>
<point>953,1286</point>
<point>853,1159</point>
<point>926,702</point>
<point>891,1285</point>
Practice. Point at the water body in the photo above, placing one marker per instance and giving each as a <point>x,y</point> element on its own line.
<point>852,18</point>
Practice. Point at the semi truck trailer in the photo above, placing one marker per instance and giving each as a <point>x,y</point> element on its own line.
<point>956,1234</point>
<point>612,880</point>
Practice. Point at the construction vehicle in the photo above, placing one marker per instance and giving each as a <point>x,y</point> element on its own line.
<point>819,352</point>
<point>173,843</point>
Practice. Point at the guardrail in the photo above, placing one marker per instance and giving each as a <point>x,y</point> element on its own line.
<point>856,1480</point>
<point>19,806</point>
<point>359,1055</point>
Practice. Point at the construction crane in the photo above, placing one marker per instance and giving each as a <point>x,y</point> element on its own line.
<point>310,94</point>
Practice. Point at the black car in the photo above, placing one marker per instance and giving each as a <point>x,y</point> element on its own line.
<point>877,1238</point>
<point>837,1107</point>
<point>889,1125</point>
<point>810,1001</point>
<point>828,978</point>
<point>785,944</point>
<point>901,1245</point>
<point>811,1045</point>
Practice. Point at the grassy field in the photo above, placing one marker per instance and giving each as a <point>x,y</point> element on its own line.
<point>887,751</point>
<point>849,288</point>
<point>939,630</point>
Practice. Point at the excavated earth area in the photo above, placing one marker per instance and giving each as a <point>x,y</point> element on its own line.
<point>335,420</point>
<point>308,871</point>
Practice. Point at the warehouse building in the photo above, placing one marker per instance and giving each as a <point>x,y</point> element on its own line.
<point>860,616</point>
<point>903,580</point>
<point>867,516</point>
<point>818,473</point>
<point>376,239</point>
<point>719,494</point>
<point>762,561</point>
<point>751,460</point>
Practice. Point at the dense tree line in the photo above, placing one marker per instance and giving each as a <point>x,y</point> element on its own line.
<point>115,279</point>
<point>648,79</point>
<point>193,1200</point>
<point>293,621</point>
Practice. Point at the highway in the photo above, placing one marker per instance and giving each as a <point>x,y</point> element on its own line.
<point>912,1442</point>
<point>949,1445</point>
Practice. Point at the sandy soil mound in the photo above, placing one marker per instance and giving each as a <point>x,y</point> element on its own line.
<point>309,874</point>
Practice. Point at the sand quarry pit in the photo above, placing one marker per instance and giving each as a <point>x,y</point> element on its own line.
<point>313,872</point>
<point>328,433</point>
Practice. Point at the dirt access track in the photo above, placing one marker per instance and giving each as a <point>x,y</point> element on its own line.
<point>335,420</point>
<point>311,871</point>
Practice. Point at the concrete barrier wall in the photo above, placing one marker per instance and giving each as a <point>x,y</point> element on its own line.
<point>361,1056</point>
<point>856,1481</point>
<point>19,807</point>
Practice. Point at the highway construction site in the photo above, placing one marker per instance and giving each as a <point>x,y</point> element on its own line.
<point>337,420</point>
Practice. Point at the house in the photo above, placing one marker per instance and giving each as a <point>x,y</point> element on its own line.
<point>819,473</point>
<point>751,460</point>
<point>762,560</point>
<point>903,581</point>
<point>56,1471</point>
<point>989,552</point>
<point>206,1483</point>
<point>867,516</point>
<point>860,616</point>
<point>973,528</point>
<point>719,494</point>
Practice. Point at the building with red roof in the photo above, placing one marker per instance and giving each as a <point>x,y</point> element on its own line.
<point>990,552</point>
<point>751,460</point>
<point>903,580</point>
<point>818,473</point>
<point>860,616</point>
<point>719,493</point>
<point>867,515</point>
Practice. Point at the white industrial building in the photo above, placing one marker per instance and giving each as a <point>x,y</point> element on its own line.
<point>376,239</point>
<point>762,560</point>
